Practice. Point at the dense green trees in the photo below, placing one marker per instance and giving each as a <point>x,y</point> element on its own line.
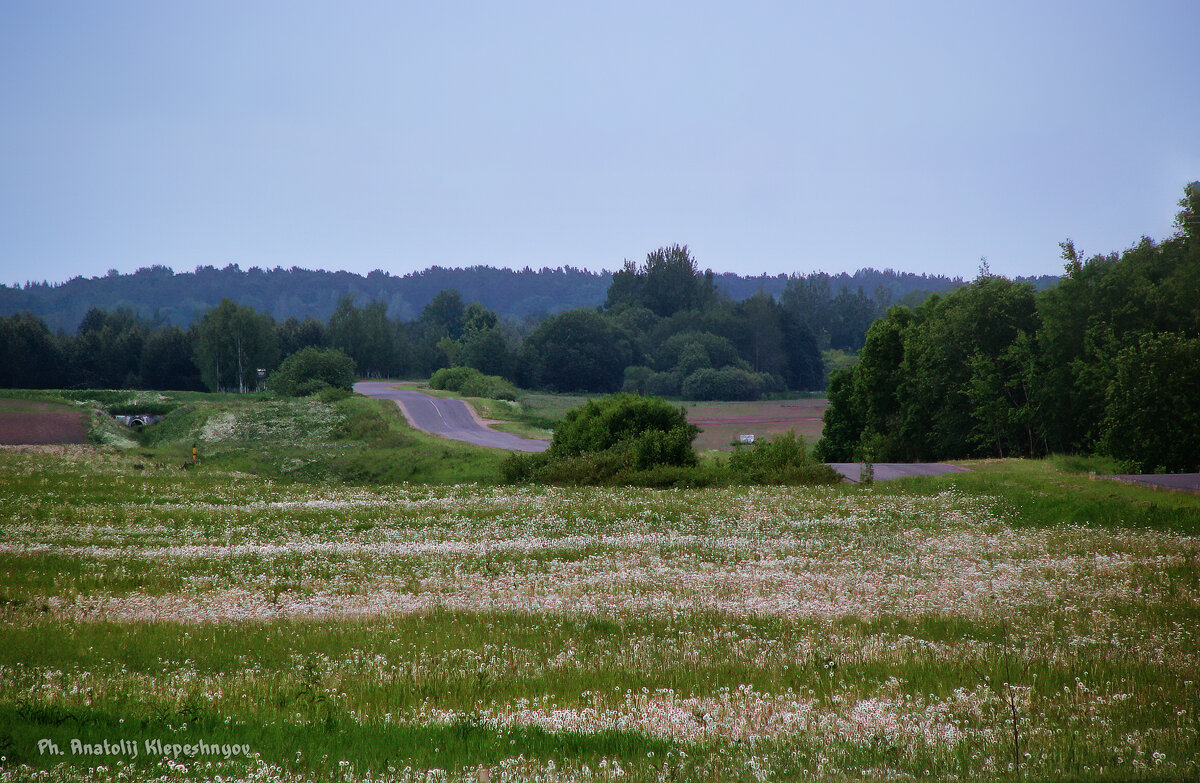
<point>110,350</point>
<point>1152,404</point>
<point>233,342</point>
<point>690,340</point>
<point>1105,360</point>
<point>375,342</point>
<point>578,350</point>
<point>30,357</point>
<point>672,330</point>
<point>162,295</point>
<point>667,282</point>
<point>166,361</point>
<point>295,334</point>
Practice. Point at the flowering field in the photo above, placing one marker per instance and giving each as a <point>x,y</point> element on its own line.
<point>929,630</point>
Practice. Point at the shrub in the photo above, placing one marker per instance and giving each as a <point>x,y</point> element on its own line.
<point>311,370</point>
<point>655,447</point>
<point>623,419</point>
<point>470,382</point>
<point>604,468</point>
<point>453,378</point>
<point>783,459</point>
<point>518,468</point>
<point>624,439</point>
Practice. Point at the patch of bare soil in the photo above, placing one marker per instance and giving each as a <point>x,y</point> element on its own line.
<point>36,422</point>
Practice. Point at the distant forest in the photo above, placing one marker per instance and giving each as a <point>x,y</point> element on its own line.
<point>661,327</point>
<point>163,296</point>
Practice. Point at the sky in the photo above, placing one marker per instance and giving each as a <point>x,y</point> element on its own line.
<point>769,137</point>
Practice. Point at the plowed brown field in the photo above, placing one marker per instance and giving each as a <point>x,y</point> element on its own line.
<point>721,423</point>
<point>34,421</point>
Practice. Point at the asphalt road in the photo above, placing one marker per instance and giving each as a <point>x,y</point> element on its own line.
<point>448,418</point>
<point>1182,482</point>
<point>894,470</point>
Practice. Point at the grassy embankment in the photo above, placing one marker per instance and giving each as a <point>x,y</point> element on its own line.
<point>1017,622</point>
<point>315,439</point>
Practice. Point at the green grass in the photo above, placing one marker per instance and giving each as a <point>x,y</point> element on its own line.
<point>1061,490</point>
<point>350,631</point>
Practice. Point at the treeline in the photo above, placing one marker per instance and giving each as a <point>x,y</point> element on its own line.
<point>665,328</point>
<point>1106,361</point>
<point>161,295</point>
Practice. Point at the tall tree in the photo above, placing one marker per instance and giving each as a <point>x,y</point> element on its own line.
<point>30,357</point>
<point>445,313</point>
<point>576,351</point>
<point>167,361</point>
<point>233,342</point>
<point>668,281</point>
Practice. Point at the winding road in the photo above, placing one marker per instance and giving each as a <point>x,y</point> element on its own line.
<point>448,418</point>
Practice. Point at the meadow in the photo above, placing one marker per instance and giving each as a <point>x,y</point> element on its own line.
<point>1020,622</point>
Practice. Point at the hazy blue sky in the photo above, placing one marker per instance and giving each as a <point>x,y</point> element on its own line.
<point>770,137</point>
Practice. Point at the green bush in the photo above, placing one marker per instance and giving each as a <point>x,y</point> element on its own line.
<point>783,459</point>
<point>311,370</point>
<point>453,378</point>
<point>615,440</point>
<point>518,468</point>
<point>470,382</point>
<point>621,420</point>
<point>655,447</point>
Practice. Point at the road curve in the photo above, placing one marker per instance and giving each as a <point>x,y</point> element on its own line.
<point>446,417</point>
